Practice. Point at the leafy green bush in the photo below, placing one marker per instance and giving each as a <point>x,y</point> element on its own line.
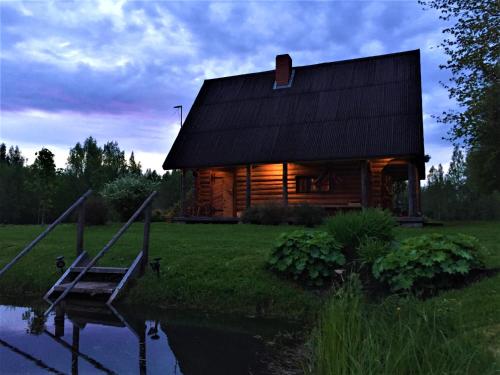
<point>125,194</point>
<point>350,228</point>
<point>269,213</point>
<point>428,261</point>
<point>309,257</point>
<point>307,215</point>
<point>96,211</point>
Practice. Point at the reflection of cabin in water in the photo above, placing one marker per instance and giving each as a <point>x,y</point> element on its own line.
<point>337,135</point>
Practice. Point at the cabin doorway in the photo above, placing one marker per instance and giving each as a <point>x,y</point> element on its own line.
<point>222,193</point>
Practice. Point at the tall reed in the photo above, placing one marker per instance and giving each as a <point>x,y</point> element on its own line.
<point>395,337</point>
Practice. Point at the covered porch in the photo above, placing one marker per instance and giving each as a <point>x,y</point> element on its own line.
<point>222,194</point>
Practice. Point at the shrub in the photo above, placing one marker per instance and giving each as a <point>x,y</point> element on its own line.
<point>96,211</point>
<point>125,194</point>
<point>159,215</point>
<point>350,228</point>
<point>270,213</point>
<point>306,256</point>
<point>428,262</point>
<point>370,249</point>
<point>307,215</point>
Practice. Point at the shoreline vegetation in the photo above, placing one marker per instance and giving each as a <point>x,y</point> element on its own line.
<point>223,269</point>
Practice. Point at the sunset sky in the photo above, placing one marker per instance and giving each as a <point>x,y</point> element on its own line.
<point>115,69</point>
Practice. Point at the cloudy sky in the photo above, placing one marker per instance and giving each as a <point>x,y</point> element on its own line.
<point>115,69</point>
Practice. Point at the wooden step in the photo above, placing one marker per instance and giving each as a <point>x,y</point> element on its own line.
<point>89,287</point>
<point>108,270</point>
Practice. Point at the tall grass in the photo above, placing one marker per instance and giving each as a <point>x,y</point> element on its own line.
<point>395,337</point>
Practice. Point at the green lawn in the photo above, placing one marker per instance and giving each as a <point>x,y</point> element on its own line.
<point>222,268</point>
<point>209,267</point>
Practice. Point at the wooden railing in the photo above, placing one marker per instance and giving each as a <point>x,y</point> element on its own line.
<point>146,205</point>
<point>79,236</point>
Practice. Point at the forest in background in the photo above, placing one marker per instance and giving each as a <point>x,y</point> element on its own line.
<point>38,193</point>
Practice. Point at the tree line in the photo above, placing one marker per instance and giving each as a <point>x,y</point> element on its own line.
<point>40,192</point>
<point>459,194</point>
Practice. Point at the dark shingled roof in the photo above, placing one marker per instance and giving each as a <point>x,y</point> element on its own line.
<point>350,109</point>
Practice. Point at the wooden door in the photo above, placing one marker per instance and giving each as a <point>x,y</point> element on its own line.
<point>217,195</point>
<point>222,193</point>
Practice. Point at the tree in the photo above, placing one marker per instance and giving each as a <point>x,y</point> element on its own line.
<point>3,154</point>
<point>43,181</point>
<point>473,50</point>
<point>15,158</point>
<point>76,161</point>
<point>133,167</point>
<point>456,173</point>
<point>473,54</point>
<point>113,161</point>
<point>85,162</point>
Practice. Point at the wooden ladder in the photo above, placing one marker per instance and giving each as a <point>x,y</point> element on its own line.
<point>84,277</point>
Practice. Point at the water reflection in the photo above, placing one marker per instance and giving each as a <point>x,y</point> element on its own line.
<point>86,338</point>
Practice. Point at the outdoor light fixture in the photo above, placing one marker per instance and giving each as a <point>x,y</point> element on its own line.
<point>60,263</point>
<point>155,266</point>
<point>179,107</point>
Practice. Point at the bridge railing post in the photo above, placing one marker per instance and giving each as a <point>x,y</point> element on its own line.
<point>80,227</point>
<point>145,239</point>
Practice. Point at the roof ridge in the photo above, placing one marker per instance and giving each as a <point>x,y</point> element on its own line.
<point>387,55</point>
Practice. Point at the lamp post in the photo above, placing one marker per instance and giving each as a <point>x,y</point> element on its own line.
<point>177,107</point>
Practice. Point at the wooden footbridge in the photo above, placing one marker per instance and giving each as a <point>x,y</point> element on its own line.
<point>83,277</point>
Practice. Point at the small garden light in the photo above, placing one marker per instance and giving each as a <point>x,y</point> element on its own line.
<point>153,331</point>
<point>60,263</point>
<point>155,266</point>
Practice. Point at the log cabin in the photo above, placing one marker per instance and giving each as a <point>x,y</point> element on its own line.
<point>336,134</point>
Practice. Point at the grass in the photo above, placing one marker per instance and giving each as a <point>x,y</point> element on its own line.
<point>457,332</point>
<point>394,337</point>
<point>218,268</point>
<point>221,268</point>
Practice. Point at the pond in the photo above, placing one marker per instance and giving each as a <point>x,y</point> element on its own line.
<point>84,337</point>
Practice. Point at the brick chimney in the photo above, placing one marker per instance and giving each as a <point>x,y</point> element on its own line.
<point>283,69</point>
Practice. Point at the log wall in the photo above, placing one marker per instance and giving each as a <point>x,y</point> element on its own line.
<point>267,185</point>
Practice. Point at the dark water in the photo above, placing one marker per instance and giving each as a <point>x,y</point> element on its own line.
<point>86,338</point>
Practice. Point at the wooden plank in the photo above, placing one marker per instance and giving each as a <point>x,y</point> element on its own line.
<point>411,189</point>
<point>80,226</point>
<point>365,189</point>
<point>88,287</point>
<point>183,192</point>
<point>79,259</point>
<point>248,186</point>
<point>108,270</point>
<point>138,262</point>
<point>145,240</point>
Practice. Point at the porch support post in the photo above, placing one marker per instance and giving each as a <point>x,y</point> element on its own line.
<point>183,192</point>
<point>285,184</point>
<point>248,186</point>
<point>412,189</point>
<point>365,188</point>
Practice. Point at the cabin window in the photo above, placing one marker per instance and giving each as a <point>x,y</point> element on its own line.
<point>314,184</point>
